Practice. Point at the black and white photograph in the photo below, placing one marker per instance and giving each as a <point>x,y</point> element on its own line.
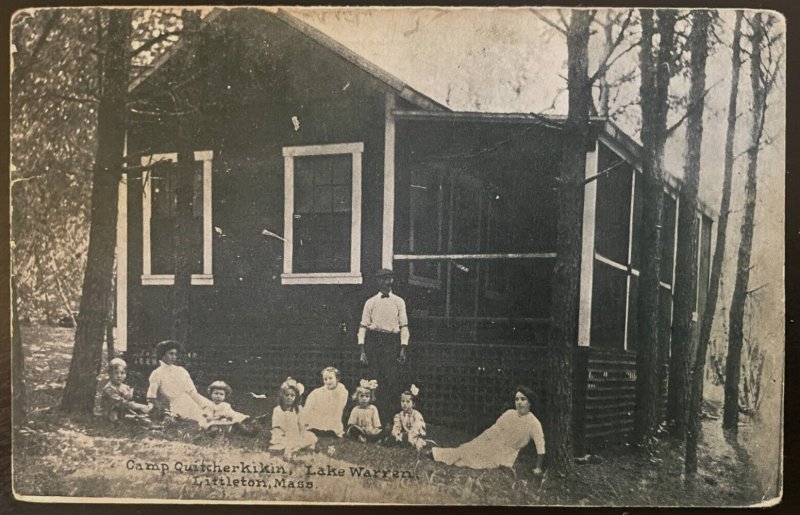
<point>371,255</point>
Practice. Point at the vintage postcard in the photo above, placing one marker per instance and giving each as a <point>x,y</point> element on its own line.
<point>493,256</point>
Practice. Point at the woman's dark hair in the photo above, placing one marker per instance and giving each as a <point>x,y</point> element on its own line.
<point>166,346</point>
<point>528,393</point>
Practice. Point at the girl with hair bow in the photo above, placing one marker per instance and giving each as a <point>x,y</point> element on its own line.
<point>409,426</point>
<point>289,433</point>
<point>364,423</point>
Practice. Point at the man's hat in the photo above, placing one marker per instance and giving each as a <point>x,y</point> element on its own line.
<point>384,272</point>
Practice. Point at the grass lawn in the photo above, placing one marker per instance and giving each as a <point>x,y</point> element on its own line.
<point>59,456</point>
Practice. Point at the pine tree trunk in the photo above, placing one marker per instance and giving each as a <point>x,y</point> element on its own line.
<point>183,250</point>
<point>566,281</point>
<point>184,234</point>
<point>17,362</point>
<point>605,87</point>
<point>685,287</point>
<point>111,115</point>
<point>654,94</point>
<point>707,319</point>
<point>730,412</point>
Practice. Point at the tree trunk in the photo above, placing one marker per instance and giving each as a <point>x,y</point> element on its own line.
<point>184,234</point>
<point>654,94</point>
<point>605,87</point>
<point>111,115</point>
<point>17,362</point>
<point>564,309</point>
<point>685,284</point>
<point>707,319</point>
<point>183,250</point>
<point>730,412</point>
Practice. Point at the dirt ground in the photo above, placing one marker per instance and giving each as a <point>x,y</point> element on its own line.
<point>78,457</point>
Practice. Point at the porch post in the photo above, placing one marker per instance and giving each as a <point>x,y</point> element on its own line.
<point>587,250</point>
<point>121,338</point>
<point>387,252</point>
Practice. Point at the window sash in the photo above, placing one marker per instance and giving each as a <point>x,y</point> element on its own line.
<point>352,274</point>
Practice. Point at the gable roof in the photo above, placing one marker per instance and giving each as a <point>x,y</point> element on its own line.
<point>402,89</point>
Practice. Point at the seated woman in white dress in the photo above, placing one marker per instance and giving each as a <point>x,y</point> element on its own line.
<point>171,386</point>
<point>500,444</point>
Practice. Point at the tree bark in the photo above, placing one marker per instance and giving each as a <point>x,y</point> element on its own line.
<point>566,281</point>
<point>184,234</point>
<point>111,116</point>
<point>685,284</point>
<point>730,411</point>
<point>654,94</point>
<point>605,87</point>
<point>696,394</point>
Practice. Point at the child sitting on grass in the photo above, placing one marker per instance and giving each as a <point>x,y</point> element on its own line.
<point>289,433</point>
<point>325,405</point>
<point>409,426</point>
<point>220,414</point>
<point>116,398</point>
<point>364,423</point>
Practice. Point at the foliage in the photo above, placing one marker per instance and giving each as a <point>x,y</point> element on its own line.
<point>53,119</point>
<point>54,97</point>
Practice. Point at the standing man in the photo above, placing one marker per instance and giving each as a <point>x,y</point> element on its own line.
<point>383,336</point>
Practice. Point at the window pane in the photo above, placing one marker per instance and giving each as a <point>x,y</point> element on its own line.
<point>466,217</point>
<point>427,198</point>
<point>163,212</point>
<point>613,207</point>
<point>608,307</point>
<point>303,191</point>
<point>197,190</point>
<point>464,310</point>
<point>342,198</point>
<point>323,199</point>
<point>341,169</point>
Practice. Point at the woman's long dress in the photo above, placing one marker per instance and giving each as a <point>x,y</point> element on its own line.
<point>173,385</point>
<point>498,445</point>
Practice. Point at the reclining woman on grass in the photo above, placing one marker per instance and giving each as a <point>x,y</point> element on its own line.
<point>171,387</point>
<point>500,444</point>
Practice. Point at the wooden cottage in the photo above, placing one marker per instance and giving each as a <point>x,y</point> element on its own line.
<point>314,168</point>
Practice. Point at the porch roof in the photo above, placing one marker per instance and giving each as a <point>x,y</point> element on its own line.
<point>608,132</point>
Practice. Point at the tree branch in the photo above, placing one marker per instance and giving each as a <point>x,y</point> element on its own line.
<point>164,36</point>
<point>690,109</point>
<point>554,25</point>
<point>604,64</point>
<point>604,172</point>
<point>25,68</point>
<point>59,96</point>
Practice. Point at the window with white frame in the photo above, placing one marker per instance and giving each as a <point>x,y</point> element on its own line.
<point>322,214</point>
<point>159,209</point>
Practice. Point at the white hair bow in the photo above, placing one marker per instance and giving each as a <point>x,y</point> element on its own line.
<point>292,383</point>
<point>414,390</point>
<point>371,384</point>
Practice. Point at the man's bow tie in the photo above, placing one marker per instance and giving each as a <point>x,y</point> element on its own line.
<point>384,295</point>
